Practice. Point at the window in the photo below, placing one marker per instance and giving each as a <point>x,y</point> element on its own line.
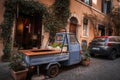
<point>89,2</point>
<point>85,27</point>
<point>106,6</point>
<point>114,39</point>
<point>101,30</point>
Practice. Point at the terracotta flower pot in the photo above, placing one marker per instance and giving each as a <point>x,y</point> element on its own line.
<point>86,62</point>
<point>19,75</point>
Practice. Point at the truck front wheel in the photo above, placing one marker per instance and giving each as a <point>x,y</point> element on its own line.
<point>53,71</point>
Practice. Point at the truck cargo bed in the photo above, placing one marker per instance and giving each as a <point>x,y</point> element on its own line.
<point>43,56</point>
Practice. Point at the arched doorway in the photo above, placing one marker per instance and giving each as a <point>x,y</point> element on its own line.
<point>73,24</point>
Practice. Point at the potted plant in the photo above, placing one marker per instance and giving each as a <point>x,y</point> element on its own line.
<point>85,58</point>
<point>17,69</point>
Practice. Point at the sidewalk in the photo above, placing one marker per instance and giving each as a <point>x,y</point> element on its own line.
<point>4,71</point>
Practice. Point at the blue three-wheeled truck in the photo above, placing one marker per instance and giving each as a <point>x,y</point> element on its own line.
<point>69,53</point>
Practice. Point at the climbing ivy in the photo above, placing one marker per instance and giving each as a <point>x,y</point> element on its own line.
<point>26,7</point>
<point>54,17</point>
<point>7,28</point>
<point>58,15</point>
<point>60,11</point>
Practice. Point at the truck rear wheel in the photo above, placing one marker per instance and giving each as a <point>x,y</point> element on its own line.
<point>53,71</point>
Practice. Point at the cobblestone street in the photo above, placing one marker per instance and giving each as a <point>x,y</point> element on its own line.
<point>99,69</point>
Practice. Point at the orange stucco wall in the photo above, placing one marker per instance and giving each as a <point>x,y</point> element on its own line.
<point>1,10</point>
<point>116,3</point>
<point>47,2</point>
<point>78,9</point>
<point>97,4</point>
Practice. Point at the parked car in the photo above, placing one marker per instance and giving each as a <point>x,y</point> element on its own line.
<point>105,45</point>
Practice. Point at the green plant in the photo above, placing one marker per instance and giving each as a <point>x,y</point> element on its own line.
<point>58,15</point>
<point>56,44</point>
<point>86,55</point>
<point>16,62</point>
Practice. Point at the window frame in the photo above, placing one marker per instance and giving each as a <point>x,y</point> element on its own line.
<point>87,29</point>
<point>89,2</point>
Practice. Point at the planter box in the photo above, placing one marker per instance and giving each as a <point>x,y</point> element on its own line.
<point>19,75</point>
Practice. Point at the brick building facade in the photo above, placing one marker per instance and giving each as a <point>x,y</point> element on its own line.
<point>86,19</point>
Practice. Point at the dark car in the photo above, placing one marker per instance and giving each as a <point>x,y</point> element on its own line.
<point>105,45</point>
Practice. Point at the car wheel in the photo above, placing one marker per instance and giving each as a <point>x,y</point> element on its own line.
<point>113,55</point>
<point>53,71</point>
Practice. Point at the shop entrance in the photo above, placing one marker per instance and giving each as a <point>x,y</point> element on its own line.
<point>28,31</point>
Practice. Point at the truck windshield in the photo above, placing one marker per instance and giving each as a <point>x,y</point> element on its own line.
<point>73,39</point>
<point>59,37</point>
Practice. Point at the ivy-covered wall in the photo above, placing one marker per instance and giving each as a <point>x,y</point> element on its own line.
<point>54,17</point>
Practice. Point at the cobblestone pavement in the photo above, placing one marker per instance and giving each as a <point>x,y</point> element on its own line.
<point>99,69</point>
<point>4,71</point>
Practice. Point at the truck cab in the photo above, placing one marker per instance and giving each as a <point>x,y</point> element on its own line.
<point>70,42</point>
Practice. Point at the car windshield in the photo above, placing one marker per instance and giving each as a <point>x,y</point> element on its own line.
<point>100,39</point>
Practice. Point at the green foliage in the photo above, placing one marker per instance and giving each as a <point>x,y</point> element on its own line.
<point>56,44</point>
<point>53,19</point>
<point>7,28</point>
<point>86,54</point>
<point>60,11</point>
<point>30,7</point>
<point>113,18</point>
<point>16,62</point>
<point>7,49</point>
